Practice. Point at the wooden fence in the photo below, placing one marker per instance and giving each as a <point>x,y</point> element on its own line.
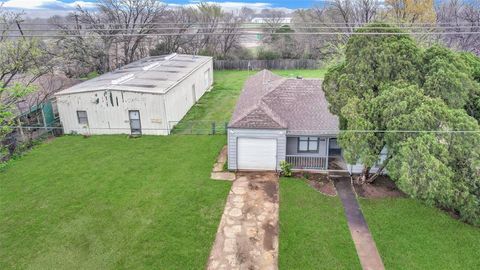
<point>267,64</point>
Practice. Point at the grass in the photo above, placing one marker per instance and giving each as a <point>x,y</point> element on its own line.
<point>218,104</point>
<point>313,230</point>
<point>109,202</point>
<point>410,235</point>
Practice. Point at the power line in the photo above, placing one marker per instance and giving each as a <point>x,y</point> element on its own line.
<point>251,33</point>
<point>474,24</point>
<point>93,29</point>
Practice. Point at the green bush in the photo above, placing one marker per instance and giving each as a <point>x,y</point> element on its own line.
<point>286,168</point>
<point>264,54</point>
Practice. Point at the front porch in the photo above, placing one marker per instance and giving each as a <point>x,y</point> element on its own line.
<point>314,153</point>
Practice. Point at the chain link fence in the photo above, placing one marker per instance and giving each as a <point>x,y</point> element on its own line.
<point>203,127</point>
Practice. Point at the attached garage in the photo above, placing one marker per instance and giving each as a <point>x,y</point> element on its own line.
<point>255,149</point>
<point>256,154</point>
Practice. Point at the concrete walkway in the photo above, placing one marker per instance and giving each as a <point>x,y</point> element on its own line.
<point>247,237</point>
<point>366,249</point>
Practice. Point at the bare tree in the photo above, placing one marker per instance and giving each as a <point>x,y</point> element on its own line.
<point>463,17</point>
<point>230,37</point>
<point>183,20</point>
<point>273,19</point>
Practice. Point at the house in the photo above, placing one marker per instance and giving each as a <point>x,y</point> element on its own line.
<point>278,119</point>
<point>148,96</point>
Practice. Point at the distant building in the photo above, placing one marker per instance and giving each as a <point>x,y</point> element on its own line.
<point>286,20</point>
<point>148,96</point>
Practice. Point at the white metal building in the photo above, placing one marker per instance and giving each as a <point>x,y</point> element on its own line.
<point>148,96</point>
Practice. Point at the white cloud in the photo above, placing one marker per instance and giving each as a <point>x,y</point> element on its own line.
<point>47,8</point>
<point>45,4</point>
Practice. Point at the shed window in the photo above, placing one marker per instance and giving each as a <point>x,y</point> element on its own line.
<point>82,117</point>
<point>308,144</point>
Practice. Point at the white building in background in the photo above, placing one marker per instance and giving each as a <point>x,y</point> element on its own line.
<point>148,96</point>
<point>286,20</point>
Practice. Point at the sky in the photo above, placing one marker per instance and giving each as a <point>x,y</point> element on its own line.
<point>47,8</point>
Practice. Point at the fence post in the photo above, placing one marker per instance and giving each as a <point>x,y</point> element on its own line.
<point>213,128</point>
<point>226,127</point>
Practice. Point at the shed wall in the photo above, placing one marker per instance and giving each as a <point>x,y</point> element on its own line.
<point>180,98</point>
<point>107,112</point>
<point>234,133</point>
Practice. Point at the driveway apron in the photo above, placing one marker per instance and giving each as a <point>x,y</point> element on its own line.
<point>247,237</point>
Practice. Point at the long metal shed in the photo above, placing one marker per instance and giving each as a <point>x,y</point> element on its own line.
<point>148,96</point>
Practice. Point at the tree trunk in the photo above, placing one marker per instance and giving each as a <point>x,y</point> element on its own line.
<point>364,176</point>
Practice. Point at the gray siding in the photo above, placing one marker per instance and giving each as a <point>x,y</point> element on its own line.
<point>292,147</point>
<point>235,133</point>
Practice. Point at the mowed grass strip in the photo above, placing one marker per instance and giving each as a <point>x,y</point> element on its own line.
<point>109,202</point>
<point>313,230</point>
<point>410,235</point>
<point>218,104</point>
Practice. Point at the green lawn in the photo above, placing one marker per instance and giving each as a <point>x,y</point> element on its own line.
<point>218,104</point>
<point>410,235</point>
<point>313,230</point>
<point>109,202</point>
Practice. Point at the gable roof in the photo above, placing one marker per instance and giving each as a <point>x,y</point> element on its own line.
<point>269,101</point>
<point>154,74</point>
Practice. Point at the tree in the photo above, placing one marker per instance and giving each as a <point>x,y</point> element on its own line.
<point>462,16</point>
<point>412,11</point>
<point>182,20</point>
<point>451,76</point>
<point>24,57</point>
<point>389,94</point>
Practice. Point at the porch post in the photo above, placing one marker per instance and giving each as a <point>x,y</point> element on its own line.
<point>328,150</point>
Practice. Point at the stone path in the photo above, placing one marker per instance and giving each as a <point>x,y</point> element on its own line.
<point>366,249</point>
<point>217,171</point>
<point>247,237</point>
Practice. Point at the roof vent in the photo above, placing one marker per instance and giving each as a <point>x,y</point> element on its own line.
<point>169,57</point>
<point>154,65</point>
<point>158,63</point>
<point>123,79</point>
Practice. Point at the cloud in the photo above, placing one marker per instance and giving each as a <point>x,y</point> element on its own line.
<point>45,4</point>
<point>48,8</point>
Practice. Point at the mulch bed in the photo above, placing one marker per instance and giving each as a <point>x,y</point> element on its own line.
<point>319,181</point>
<point>382,187</point>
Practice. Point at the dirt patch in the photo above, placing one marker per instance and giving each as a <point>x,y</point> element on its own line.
<point>270,189</point>
<point>326,188</point>
<point>319,182</point>
<point>270,234</point>
<point>382,187</point>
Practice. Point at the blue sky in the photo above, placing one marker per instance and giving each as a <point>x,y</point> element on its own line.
<point>59,6</point>
<point>47,8</point>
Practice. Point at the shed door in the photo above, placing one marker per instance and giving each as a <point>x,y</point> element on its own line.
<point>256,154</point>
<point>135,124</point>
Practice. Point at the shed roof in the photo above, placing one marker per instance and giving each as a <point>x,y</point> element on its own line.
<point>155,74</point>
<point>271,101</point>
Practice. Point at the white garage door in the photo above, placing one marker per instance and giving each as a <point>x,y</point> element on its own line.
<point>256,154</point>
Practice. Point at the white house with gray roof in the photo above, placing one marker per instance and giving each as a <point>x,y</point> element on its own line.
<point>278,119</point>
<point>148,96</point>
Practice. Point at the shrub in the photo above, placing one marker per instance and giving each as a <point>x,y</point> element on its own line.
<point>263,54</point>
<point>286,168</point>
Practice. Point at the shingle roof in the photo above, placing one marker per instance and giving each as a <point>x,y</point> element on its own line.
<point>154,74</point>
<point>269,101</point>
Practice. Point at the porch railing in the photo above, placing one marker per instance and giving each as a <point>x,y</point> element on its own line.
<point>307,162</point>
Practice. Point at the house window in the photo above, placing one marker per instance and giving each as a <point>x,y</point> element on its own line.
<point>308,144</point>
<point>82,117</point>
